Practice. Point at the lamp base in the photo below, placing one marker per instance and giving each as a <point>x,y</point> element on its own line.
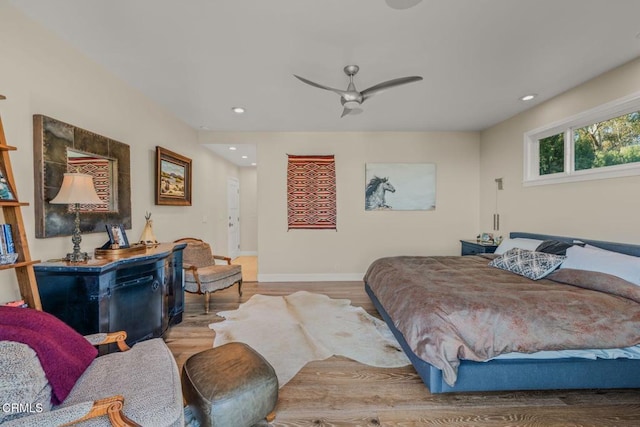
<point>77,257</point>
<point>76,238</point>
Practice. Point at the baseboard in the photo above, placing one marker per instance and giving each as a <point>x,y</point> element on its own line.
<point>319,277</point>
<point>248,253</point>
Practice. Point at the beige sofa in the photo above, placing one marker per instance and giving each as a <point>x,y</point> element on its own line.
<point>137,386</point>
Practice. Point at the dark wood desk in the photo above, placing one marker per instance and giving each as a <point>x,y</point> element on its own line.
<point>142,294</point>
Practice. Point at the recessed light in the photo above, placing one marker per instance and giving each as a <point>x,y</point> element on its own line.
<point>204,127</point>
<point>245,157</point>
<point>528,97</point>
<point>237,110</point>
<point>232,148</point>
<point>253,164</point>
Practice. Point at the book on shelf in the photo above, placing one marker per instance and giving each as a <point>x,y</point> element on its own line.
<point>18,303</point>
<point>6,229</point>
<point>3,242</point>
<point>6,240</point>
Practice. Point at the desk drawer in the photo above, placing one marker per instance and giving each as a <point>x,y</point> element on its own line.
<point>473,248</point>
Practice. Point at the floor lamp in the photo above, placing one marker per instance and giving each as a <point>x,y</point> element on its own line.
<point>77,189</point>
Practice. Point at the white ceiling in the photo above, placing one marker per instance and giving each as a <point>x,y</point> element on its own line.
<point>244,155</point>
<point>199,58</point>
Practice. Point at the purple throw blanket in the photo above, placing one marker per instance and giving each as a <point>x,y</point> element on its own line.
<point>63,353</point>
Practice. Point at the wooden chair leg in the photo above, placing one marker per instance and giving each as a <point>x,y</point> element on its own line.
<point>270,416</point>
<point>240,287</point>
<point>207,296</point>
<point>110,406</point>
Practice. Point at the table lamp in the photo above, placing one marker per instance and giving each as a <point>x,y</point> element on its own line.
<point>76,189</point>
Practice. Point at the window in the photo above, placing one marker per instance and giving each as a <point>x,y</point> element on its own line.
<point>552,154</point>
<point>600,143</point>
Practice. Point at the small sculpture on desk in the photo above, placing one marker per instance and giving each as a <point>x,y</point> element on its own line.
<point>147,237</point>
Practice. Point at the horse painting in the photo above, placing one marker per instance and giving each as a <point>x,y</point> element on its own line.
<point>374,193</point>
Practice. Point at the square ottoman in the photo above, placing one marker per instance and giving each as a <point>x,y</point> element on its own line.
<point>230,385</point>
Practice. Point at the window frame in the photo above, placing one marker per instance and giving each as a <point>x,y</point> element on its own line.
<point>610,110</point>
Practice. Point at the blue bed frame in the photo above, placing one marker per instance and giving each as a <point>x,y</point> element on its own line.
<point>529,374</point>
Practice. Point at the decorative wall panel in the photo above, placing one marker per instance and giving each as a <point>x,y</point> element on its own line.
<point>311,192</point>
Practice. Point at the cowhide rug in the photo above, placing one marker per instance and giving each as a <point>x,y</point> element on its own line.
<point>293,330</point>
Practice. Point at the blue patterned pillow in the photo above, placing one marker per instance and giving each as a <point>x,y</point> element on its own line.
<point>531,264</point>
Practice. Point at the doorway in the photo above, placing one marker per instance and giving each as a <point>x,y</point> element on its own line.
<point>233,204</point>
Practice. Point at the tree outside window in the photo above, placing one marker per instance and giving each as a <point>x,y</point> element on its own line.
<point>608,143</point>
<point>552,154</point>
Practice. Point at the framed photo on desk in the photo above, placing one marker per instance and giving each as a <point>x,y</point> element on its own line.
<point>117,236</point>
<point>486,238</point>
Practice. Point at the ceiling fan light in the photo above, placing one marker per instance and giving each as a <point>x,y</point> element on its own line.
<point>351,105</point>
<point>402,4</point>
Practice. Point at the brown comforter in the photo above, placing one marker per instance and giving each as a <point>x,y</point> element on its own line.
<point>450,308</point>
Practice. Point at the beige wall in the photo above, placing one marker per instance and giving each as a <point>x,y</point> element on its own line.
<point>248,211</point>
<point>604,209</point>
<point>43,75</point>
<point>361,236</point>
<point>40,74</point>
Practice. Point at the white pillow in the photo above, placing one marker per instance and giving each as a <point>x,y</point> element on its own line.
<point>522,243</point>
<point>595,248</point>
<point>626,267</point>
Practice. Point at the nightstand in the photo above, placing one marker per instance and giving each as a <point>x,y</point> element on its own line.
<point>473,247</point>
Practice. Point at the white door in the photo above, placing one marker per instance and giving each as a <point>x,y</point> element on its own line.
<point>233,202</point>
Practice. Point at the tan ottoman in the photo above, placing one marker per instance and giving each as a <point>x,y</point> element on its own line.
<point>230,385</point>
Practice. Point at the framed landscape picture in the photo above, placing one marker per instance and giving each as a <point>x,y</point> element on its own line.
<point>173,178</point>
<point>400,186</point>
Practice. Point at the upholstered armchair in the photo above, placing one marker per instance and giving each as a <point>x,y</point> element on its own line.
<point>137,386</point>
<point>202,274</point>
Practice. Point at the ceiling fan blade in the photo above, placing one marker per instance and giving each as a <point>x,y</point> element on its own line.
<point>367,93</point>
<point>351,111</point>
<point>319,86</point>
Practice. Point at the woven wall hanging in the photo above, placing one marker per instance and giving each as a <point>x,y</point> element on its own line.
<point>311,192</point>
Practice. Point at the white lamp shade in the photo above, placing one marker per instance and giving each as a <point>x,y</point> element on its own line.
<point>76,188</point>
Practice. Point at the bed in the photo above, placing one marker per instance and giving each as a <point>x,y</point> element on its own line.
<point>504,373</point>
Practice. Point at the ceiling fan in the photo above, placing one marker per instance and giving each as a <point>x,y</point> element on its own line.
<point>350,98</point>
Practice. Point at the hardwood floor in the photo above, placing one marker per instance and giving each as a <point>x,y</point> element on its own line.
<point>340,392</point>
<point>249,266</point>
